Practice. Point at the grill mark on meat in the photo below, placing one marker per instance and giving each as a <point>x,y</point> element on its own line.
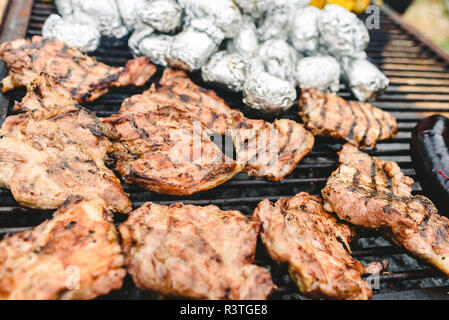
<point>323,111</point>
<point>354,121</point>
<point>82,75</point>
<point>327,114</point>
<point>340,112</point>
<point>373,175</point>
<point>411,221</point>
<point>300,233</point>
<point>213,250</point>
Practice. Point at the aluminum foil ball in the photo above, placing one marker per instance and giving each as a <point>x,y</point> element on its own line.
<point>245,41</point>
<point>276,21</point>
<point>366,81</point>
<point>224,14</point>
<point>304,32</point>
<point>319,72</point>
<point>192,47</point>
<point>157,47</point>
<point>265,92</point>
<point>341,32</point>
<point>227,69</point>
<point>279,59</point>
<point>137,37</point>
<point>105,13</point>
<point>76,31</point>
<point>130,11</point>
<point>162,15</point>
<point>254,8</point>
<point>64,7</point>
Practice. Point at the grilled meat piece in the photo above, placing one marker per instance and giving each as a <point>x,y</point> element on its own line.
<point>85,77</point>
<point>372,193</point>
<point>299,232</point>
<point>56,149</point>
<point>202,104</point>
<point>74,255</point>
<point>327,114</point>
<point>165,151</point>
<point>271,150</point>
<point>288,142</point>
<point>196,252</point>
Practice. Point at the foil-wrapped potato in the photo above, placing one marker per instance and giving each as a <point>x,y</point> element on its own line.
<point>227,69</point>
<point>319,72</point>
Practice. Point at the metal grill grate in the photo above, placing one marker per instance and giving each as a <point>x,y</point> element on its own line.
<point>419,76</point>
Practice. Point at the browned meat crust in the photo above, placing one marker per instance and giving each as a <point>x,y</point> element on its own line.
<point>83,76</point>
<point>56,149</point>
<point>271,150</point>
<point>74,255</point>
<point>372,193</point>
<point>327,114</point>
<point>166,152</point>
<point>196,252</point>
<point>299,232</point>
<point>288,141</point>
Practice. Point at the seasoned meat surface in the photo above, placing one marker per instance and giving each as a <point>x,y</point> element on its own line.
<point>372,193</point>
<point>263,149</point>
<point>195,252</point>
<point>74,255</point>
<point>300,233</point>
<point>165,151</point>
<point>56,149</point>
<point>271,150</point>
<point>85,77</point>
<point>327,114</point>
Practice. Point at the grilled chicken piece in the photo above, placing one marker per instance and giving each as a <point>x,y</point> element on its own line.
<point>372,193</point>
<point>299,232</point>
<point>166,152</point>
<point>195,252</point>
<point>287,141</point>
<point>56,149</point>
<point>327,114</point>
<point>74,255</point>
<point>85,77</point>
<point>201,103</point>
<point>271,150</point>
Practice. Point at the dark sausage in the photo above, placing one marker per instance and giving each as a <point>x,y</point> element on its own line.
<point>430,155</point>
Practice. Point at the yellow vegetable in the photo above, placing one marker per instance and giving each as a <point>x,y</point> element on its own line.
<point>348,4</point>
<point>360,6</point>
<point>318,3</point>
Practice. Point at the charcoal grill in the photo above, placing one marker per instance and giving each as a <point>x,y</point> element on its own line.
<point>419,74</point>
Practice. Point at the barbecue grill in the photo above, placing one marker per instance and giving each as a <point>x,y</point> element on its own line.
<point>419,75</point>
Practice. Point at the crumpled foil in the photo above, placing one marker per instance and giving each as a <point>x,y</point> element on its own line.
<point>265,92</point>
<point>279,59</point>
<point>277,19</point>
<point>192,47</point>
<point>130,11</point>
<point>254,8</point>
<point>106,13</point>
<point>225,68</point>
<point>224,14</point>
<point>304,32</point>
<point>137,37</point>
<point>319,72</point>
<point>245,41</point>
<point>162,15</point>
<point>157,47</point>
<point>77,31</point>
<point>366,81</point>
<point>341,32</point>
<point>64,7</point>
